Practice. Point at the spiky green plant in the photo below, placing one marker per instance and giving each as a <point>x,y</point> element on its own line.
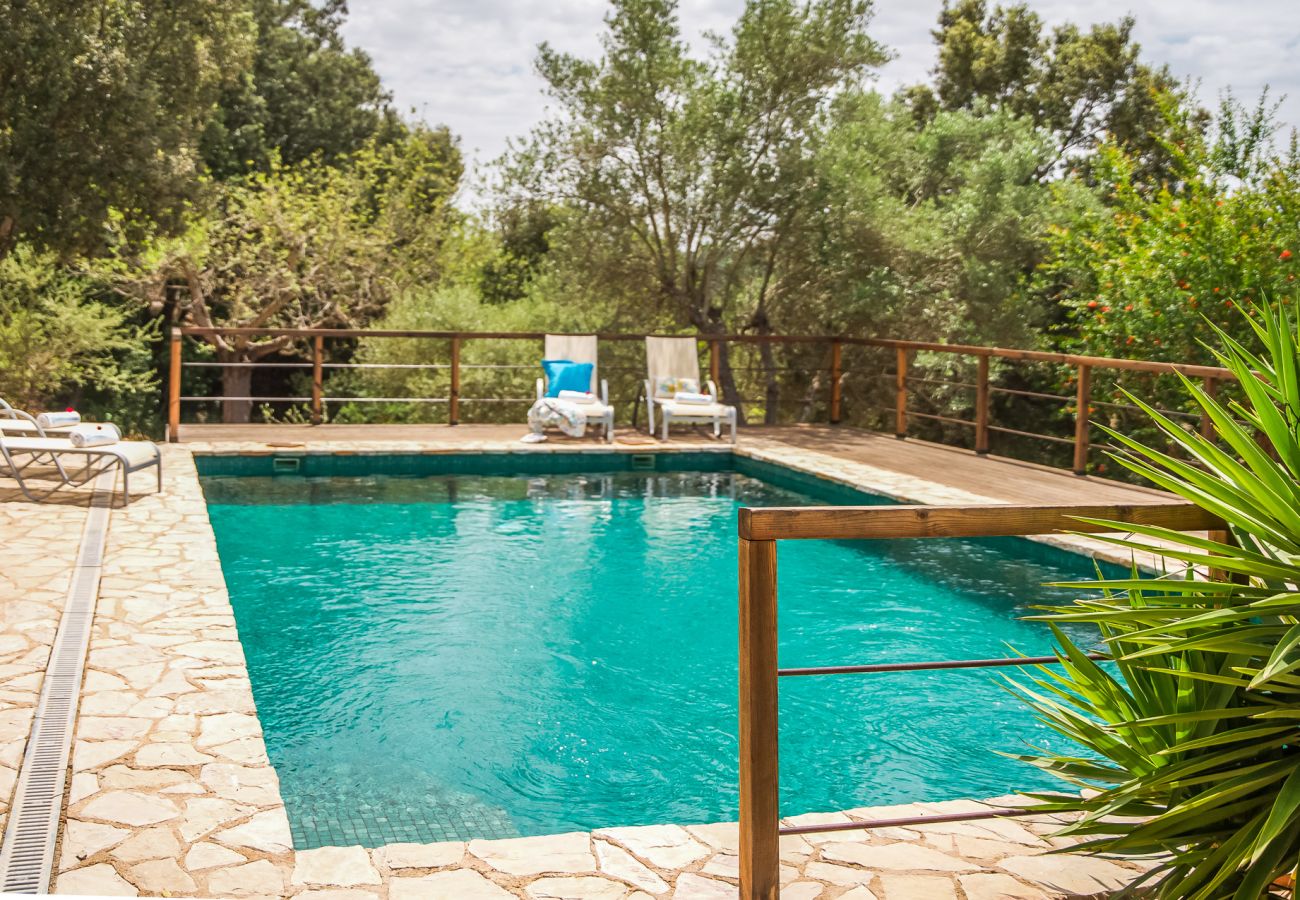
<point>1192,734</point>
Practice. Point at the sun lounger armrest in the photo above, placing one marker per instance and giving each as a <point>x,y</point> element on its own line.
<point>604,392</point>
<point>713,390</point>
<point>12,414</point>
<point>541,388</point>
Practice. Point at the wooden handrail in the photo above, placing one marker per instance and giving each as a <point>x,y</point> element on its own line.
<point>760,529</point>
<point>849,523</point>
<point>1070,359</point>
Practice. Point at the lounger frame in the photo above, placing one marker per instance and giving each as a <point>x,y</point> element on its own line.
<point>104,452</point>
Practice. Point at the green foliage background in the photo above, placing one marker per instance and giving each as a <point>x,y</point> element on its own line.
<point>1046,188</point>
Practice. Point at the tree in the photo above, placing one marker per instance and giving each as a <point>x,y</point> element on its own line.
<point>1083,87</point>
<point>305,94</point>
<point>63,341</point>
<point>101,107</point>
<point>305,246</point>
<point>926,232</point>
<point>686,177</point>
<point>1139,270</point>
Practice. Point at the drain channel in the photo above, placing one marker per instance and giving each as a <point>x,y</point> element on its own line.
<point>27,854</point>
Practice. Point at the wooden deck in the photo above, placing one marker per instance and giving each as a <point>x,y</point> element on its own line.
<point>1006,480</point>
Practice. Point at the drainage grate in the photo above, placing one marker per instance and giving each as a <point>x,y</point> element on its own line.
<point>27,855</point>
<point>643,462</point>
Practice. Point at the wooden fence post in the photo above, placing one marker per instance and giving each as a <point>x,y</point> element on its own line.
<point>317,359</point>
<point>900,395</point>
<point>1083,399</point>
<point>759,772</point>
<point>453,397</point>
<point>836,375</point>
<point>982,407</point>
<point>174,389</point>
<point>1211,386</point>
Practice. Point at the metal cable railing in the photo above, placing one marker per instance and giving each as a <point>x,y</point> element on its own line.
<point>760,361</point>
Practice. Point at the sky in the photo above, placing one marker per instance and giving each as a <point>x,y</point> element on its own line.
<point>469,63</point>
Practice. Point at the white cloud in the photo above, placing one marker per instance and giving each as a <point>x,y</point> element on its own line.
<point>469,63</point>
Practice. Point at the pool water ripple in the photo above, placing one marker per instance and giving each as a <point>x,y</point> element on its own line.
<point>487,656</point>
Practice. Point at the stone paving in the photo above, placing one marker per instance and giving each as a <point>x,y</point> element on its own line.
<point>38,546</point>
<point>172,793</point>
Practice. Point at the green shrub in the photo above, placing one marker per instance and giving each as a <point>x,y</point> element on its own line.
<point>66,343</point>
<point>1193,737</point>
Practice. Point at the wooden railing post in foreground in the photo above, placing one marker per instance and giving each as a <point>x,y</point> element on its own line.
<point>982,406</point>
<point>317,359</point>
<point>836,376</point>
<point>900,394</point>
<point>453,396</point>
<point>174,389</point>
<point>1083,400</point>
<point>758,531</point>
<point>715,362</point>
<point>759,772</point>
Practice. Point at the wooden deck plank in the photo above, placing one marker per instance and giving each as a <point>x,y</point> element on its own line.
<point>1001,479</point>
<point>1006,480</point>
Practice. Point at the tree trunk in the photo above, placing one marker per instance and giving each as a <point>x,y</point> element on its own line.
<point>810,398</point>
<point>236,381</point>
<point>772,393</point>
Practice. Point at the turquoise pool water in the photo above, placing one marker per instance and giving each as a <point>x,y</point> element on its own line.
<point>487,656</point>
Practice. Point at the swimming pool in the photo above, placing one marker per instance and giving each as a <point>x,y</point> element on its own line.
<point>489,655</point>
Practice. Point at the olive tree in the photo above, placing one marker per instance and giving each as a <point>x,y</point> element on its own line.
<point>685,176</point>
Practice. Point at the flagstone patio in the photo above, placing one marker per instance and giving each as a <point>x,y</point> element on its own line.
<point>172,794</point>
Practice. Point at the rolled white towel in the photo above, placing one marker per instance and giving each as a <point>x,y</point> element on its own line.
<point>688,397</point>
<point>94,434</point>
<point>577,396</point>
<point>58,419</point>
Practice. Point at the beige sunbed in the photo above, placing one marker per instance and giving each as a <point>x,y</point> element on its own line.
<point>669,361</point>
<point>581,348</point>
<point>129,456</point>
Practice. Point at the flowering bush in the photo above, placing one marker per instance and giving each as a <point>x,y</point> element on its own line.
<point>1138,272</point>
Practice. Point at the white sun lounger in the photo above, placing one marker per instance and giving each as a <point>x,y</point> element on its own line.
<point>581,348</point>
<point>678,358</point>
<point>20,453</point>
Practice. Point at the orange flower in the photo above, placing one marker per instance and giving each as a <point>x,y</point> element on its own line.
<point>1284,255</point>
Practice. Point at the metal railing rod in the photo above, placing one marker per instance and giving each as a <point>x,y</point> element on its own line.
<point>940,665</point>
<point>1031,434</point>
<point>904,821</point>
<point>917,379</point>
<point>1037,395</point>
<point>249,399</point>
<point>384,399</point>
<point>261,364</point>
<point>911,413</point>
<point>1129,407</point>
